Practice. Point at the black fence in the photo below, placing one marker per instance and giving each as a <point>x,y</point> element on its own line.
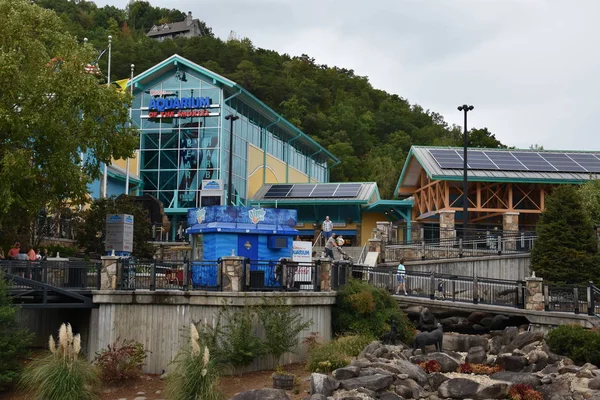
<point>451,246</point>
<point>572,298</point>
<point>447,287</point>
<point>80,275</point>
<point>269,275</point>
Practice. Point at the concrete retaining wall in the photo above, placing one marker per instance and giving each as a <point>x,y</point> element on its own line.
<point>161,320</point>
<point>509,267</point>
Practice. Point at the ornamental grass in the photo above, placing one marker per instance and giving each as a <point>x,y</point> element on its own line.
<point>64,374</point>
<point>194,375</point>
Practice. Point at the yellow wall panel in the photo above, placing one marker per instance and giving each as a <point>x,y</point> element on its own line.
<point>369,222</point>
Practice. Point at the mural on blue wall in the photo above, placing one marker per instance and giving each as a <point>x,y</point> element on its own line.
<point>242,215</point>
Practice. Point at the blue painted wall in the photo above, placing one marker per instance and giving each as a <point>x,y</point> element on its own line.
<point>218,245</point>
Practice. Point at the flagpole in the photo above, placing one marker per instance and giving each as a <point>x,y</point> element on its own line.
<point>105,177</point>
<point>130,124</point>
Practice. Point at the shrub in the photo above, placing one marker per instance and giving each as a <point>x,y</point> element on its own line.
<point>194,375</point>
<point>13,340</point>
<point>63,374</point>
<point>281,324</point>
<point>577,343</point>
<point>481,369</point>
<point>521,391</point>
<point>121,361</point>
<point>337,353</point>
<point>312,341</point>
<point>430,366</point>
<point>366,310</point>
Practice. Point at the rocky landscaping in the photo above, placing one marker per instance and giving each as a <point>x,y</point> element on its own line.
<point>506,363</point>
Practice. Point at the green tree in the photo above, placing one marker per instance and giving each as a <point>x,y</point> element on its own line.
<point>566,247</point>
<point>52,112</point>
<point>13,340</point>
<point>484,138</point>
<point>91,230</point>
<point>590,198</point>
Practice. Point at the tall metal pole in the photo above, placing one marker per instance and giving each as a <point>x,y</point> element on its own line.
<point>105,175</point>
<point>465,108</point>
<point>231,118</point>
<point>130,124</point>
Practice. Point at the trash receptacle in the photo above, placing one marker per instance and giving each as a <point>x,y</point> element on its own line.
<point>257,279</point>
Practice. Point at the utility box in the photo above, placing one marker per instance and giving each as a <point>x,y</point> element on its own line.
<point>119,234</point>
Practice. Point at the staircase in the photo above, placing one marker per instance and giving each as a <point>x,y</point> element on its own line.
<point>352,251</point>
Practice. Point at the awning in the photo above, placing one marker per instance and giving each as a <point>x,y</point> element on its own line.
<point>233,227</point>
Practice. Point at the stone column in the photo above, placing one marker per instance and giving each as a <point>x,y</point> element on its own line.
<point>233,273</point>
<point>325,275</point>
<point>534,293</point>
<point>447,224</point>
<point>510,228</point>
<point>109,273</point>
<point>376,245</point>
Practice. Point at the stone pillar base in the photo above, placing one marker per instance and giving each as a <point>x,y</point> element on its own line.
<point>534,293</point>
<point>108,279</point>
<point>233,273</point>
<point>510,228</point>
<point>325,275</point>
<point>447,230</point>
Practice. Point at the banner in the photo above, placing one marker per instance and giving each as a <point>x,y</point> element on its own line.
<point>302,253</point>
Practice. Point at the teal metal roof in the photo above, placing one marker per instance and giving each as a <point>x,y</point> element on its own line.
<point>249,97</point>
<point>419,158</point>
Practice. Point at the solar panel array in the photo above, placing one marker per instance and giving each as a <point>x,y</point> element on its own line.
<point>518,160</point>
<point>311,191</point>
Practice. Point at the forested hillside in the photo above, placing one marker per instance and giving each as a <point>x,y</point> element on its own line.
<point>370,130</point>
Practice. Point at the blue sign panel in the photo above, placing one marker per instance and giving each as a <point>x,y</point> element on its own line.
<point>242,215</point>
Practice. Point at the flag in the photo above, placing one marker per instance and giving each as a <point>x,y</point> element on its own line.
<point>93,68</point>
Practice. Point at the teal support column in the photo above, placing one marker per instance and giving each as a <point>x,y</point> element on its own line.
<point>329,169</point>
<point>221,136</point>
<point>406,215</point>
<point>287,160</point>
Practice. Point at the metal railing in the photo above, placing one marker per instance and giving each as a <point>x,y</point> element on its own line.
<point>572,298</point>
<point>363,254</point>
<point>282,275</point>
<point>75,275</point>
<point>453,247</point>
<point>448,287</point>
<point>176,275</point>
<point>269,275</point>
<point>317,241</point>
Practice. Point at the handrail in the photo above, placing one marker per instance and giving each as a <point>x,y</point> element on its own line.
<point>316,240</point>
<point>363,255</point>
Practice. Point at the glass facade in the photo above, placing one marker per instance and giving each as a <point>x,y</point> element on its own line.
<point>181,112</point>
<point>177,153</point>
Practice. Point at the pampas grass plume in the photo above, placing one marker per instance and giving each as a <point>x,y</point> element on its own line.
<point>63,340</point>
<point>76,345</point>
<point>52,345</point>
<point>206,356</point>
<point>194,336</point>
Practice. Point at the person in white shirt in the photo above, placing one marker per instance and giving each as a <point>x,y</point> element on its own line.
<point>401,276</point>
<point>327,228</point>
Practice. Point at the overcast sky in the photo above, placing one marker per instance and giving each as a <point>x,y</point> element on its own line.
<point>531,68</point>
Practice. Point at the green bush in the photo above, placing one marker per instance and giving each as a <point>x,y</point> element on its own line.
<point>579,344</point>
<point>337,353</point>
<point>281,324</point>
<point>366,310</point>
<point>63,374</point>
<point>13,340</point>
<point>194,375</point>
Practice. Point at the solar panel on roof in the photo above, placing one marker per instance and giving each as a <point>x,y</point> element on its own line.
<point>477,159</point>
<point>301,191</point>
<point>349,190</point>
<point>447,158</point>
<point>278,191</point>
<point>587,161</point>
<point>324,191</point>
<point>533,161</point>
<point>505,161</point>
<point>563,162</point>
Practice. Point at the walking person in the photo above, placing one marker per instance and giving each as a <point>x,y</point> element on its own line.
<point>401,277</point>
<point>331,243</point>
<point>327,228</point>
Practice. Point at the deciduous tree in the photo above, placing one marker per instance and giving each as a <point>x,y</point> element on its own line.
<point>51,112</point>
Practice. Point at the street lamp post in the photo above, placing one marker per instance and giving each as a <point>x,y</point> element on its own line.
<point>231,118</point>
<point>465,108</point>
